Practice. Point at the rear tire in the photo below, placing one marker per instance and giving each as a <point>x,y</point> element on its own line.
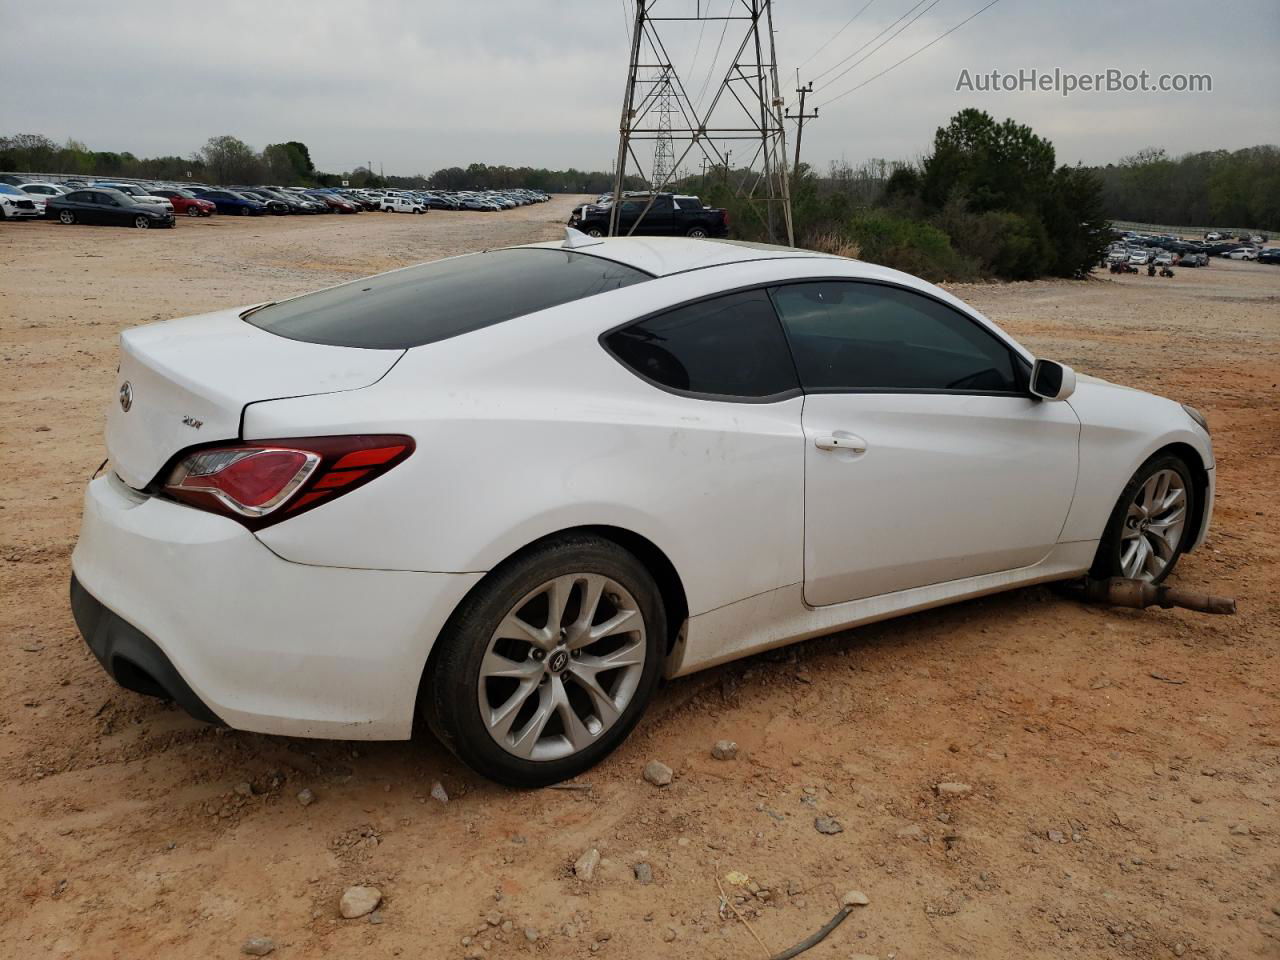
<point>1150,526</point>
<point>698,233</point>
<point>67,216</point>
<point>567,727</point>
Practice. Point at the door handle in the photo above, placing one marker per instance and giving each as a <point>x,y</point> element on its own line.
<point>847,442</point>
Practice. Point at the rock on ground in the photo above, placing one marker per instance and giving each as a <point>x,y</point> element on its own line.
<point>358,901</point>
<point>724,750</point>
<point>827,825</point>
<point>258,946</point>
<point>953,789</point>
<point>658,773</point>
<point>585,866</point>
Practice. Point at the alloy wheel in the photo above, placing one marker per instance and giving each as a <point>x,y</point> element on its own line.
<point>562,666</point>
<point>66,216</point>
<point>142,223</point>
<point>1153,526</point>
<point>193,211</point>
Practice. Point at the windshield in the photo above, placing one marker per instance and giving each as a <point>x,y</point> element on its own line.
<point>436,301</point>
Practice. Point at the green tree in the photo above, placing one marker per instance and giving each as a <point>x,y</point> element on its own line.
<point>230,160</point>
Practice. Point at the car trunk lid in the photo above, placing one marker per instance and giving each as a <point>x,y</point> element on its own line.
<point>184,383</point>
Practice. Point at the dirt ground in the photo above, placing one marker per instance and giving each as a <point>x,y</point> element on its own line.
<point>1124,766</point>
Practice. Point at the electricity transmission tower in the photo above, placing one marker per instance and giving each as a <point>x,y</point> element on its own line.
<point>744,105</point>
<point>664,156</point>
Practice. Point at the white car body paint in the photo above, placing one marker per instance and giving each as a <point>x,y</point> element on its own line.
<point>321,625</point>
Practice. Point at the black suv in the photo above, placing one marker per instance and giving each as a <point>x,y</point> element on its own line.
<point>669,215</point>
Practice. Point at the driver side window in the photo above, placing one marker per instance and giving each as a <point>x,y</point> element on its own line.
<point>850,336</point>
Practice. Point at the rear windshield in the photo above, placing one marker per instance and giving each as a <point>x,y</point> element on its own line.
<point>435,301</point>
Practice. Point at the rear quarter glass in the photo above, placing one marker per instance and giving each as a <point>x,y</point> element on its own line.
<point>436,301</point>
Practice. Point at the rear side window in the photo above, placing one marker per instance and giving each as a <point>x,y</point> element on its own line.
<point>435,301</point>
<point>730,347</point>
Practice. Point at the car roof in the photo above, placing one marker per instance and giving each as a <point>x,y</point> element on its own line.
<point>662,256</point>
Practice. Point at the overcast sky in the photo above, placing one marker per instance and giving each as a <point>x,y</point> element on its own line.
<point>415,85</point>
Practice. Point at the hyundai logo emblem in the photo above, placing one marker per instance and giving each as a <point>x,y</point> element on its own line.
<point>126,396</point>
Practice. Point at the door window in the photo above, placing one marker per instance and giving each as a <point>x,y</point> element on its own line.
<point>851,336</point>
<point>729,347</point>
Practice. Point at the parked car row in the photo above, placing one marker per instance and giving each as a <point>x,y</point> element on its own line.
<point>1163,250</point>
<point>84,200</point>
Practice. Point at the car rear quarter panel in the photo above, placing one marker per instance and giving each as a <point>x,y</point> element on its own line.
<point>530,427</point>
<point>1120,429</point>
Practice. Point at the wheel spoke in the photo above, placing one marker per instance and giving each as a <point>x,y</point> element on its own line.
<point>1161,544</point>
<point>514,628</point>
<point>606,709</point>
<point>527,738</point>
<point>558,592</point>
<point>630,655</point>
<point>1138,558</point>
<point>612,625</point>
<point>574,729</point>
<point>592,591</point>
<point>500,720</point>
<point>496,665</point>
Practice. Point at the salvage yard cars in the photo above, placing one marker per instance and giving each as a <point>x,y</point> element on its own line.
<point>509,492</point>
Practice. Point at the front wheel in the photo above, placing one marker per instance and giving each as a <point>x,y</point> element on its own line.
<point>547,666</point>
<point>245,211</point>
<point>67,217</point>
<point>1150,528</point>
<point>142,223</point>
<point>193,211</point>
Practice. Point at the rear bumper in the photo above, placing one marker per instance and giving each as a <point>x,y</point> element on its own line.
<point>189,605</point>
<point>130,658</point>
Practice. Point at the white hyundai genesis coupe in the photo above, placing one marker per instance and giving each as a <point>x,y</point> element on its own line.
<point>509,492</point>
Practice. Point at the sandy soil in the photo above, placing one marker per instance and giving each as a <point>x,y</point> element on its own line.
<point>1113,812</point>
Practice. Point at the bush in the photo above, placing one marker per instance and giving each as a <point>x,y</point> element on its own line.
<point>897,242</point>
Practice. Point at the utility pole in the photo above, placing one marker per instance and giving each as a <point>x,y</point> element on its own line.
<point>800,117</point>
<point>744,106</point>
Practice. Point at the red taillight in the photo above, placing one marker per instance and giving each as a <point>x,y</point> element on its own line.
<point>266,481</point>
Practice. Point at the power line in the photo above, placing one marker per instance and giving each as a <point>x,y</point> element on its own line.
<point>837,33</point>
<point>910,55</point>
<point>876,49</point>
<point>840,63</point>
<point>715,56</point>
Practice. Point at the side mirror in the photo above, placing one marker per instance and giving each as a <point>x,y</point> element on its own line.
<point>1052,381</point>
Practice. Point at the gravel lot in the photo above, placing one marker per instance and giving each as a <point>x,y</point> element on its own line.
<point>1123,766</point>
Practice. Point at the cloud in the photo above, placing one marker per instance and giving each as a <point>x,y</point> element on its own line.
<point>418,85</point>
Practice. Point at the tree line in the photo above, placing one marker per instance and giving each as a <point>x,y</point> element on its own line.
<point>1221,188</point>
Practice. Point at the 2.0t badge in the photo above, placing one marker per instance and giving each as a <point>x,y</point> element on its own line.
<point>126,396</point>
